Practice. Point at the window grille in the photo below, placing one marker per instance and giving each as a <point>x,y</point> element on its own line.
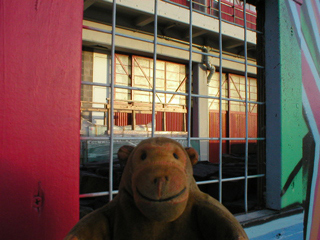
<point>129,95</point>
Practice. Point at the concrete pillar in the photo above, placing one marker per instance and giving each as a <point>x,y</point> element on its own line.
<point>200,115</point>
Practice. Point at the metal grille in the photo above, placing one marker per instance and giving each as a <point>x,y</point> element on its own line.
<point>113,99</point>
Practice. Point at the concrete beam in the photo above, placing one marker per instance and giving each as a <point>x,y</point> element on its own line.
<point>143,20</point>
<point>232,44</point>
<point>181,15</point>
<point>196,33</point>
<point>92,38</point>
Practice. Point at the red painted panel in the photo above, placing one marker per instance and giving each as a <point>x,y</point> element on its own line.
<point>237,127</point>
<point>228,12</point>
<point>122,119</point>
<point>214,119</point>
<point>182,2</point>
<point>174,121</point>
<point>144,119</point>
<point>40,61</point>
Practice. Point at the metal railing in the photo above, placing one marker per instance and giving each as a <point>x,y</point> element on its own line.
<point>189,94</point>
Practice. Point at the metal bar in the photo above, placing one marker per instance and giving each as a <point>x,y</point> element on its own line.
<point>97,194</point>
<point>234,12</point>
<point>190,76</point>
<point>227,99</point>
<point>227,138</point>
<point>220,103</point>
<point>96,84</point>
<point>230,179</point>
<point>153,121</point>
<point>172,46</point>
<point>210,54</point>
<point>181,138</point>
<point>106,193</point>
<point>114,9</point>
<point>210,15</point>
<point>229,111</point>
<point>96,29</point>
<point>246,107</point>
<point>171,92</point>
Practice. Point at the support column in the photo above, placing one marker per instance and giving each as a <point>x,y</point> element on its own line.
<point>200,116</point>
<point>285,126</point>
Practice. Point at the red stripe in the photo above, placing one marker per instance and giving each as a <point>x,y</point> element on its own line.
<point>311,89</point>
<point>313,96</point>
<point>316,13</point>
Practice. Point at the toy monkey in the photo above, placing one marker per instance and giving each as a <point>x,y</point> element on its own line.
<point>158,199</point>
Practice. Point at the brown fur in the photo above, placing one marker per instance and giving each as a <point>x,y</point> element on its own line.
<point>159,200</point>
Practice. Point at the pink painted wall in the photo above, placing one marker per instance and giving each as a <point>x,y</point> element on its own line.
<point>40,62</point>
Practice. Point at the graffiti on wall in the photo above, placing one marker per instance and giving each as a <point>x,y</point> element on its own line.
<point>306,20</point>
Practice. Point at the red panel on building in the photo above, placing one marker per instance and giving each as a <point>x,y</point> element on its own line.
<point>122,119</point>
<point>40,61</point>
<point>175,121</point>
<point>146,119</point>
<point>235,127</point>
<point>229,12</point>
<point>182,2</point>
<point>214,132</point>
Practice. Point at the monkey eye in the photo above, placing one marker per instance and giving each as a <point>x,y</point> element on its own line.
<point>143,156</point>
<point>175,156</point>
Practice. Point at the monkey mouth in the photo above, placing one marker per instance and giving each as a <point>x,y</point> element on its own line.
<point>162,199</point>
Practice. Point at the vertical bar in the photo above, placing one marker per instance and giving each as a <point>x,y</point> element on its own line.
<point>234,12</point>
<point>114,7</point>
<point>154,66</point>
<point>246,108</point>
<point>229,121</point>
<point>220,103</point>
<point>261,98</point>
<point>190,75</point>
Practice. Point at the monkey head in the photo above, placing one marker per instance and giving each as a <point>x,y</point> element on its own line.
<point>158,175</point>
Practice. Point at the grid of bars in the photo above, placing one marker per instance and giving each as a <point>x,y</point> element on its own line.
<point>189,95</point>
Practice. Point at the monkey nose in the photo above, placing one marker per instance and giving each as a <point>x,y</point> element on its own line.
<point>160,183</point>
<point>161,179</point>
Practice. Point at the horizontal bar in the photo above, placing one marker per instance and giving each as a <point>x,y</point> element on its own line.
<point>171,92</point>
<point>177,138</point>
<point>172,46</point>
<point>226,58</point>
<point>96,29</point>
<point>96,84</point>
<point>227,138</point>
<point>125,138</point>
<point>224,98</point>
<point>209,54</point>
<point>97,194</point>
<point>106,193</point>
<point>206,14</point>
<point>133,88</point>
<point>150,90</point>
<point>135,38</point>
<point>229,179</point>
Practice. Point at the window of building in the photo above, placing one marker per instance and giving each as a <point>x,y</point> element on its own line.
<point>201,90</point>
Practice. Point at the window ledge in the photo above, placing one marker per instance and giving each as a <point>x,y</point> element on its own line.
<point>266,215</point>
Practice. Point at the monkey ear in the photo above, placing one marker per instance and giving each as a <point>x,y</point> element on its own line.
<point>124,153</point>
<point>193,155</point>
